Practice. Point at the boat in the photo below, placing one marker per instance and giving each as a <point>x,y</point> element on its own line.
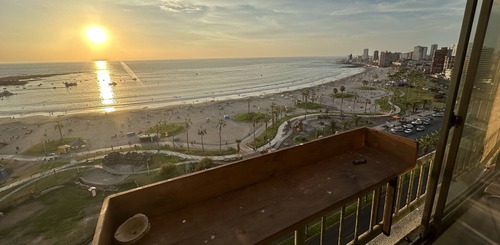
<point>69,84</point>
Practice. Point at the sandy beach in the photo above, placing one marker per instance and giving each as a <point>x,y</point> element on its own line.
<point>106,130</point>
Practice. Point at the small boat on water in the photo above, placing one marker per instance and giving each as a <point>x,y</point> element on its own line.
<point>70,84</point>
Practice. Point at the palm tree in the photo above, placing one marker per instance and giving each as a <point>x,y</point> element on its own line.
<point>248,104</point>
<point>414,105</point>
<point>333,99</point>
<point>333,126</point>
<point>424,143</point>
<point>366,104</point>
<point>220,125</point>
<point>342,89</point>
<point>59,126</point>
<point>354,102</point>
<point>305,95</point>
<point>356,120</point>
<point>335,91</point>
<point>158,134</point>
<point>345,124</point>
<point>238,141</point>
<point>426,102</point>
<point>313,96</point>
<point>187,124</point>
<point>273,112</point>
<point>201,133</point>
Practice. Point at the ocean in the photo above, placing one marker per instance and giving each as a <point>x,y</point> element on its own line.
<point>107,86</point>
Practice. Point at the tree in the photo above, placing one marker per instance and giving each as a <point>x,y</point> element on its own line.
<point>335,91</point>
<point>187,124</point>
<point>365,83</point>
<point>428,141</point>
<point>204,163</point>
<point>426,102</point>
<point>248,104</point>
<point>273,113</point>
<point>305,95</point>
<point>354,102</point>
<point>313,96</point>
<point>238,141</point>
<point>201,133</point>
<point>342,89</point>
<point>59,126</point>
<point>356,119</point>
<point>168,170</point>
<point>367,101</point>
<point>424,143</point>
<point>220,125</point>
<point>158,128</point>
<point>333,126</point>
<point>345,124</point>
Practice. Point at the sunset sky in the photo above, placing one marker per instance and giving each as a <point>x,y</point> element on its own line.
<point>55,30</point>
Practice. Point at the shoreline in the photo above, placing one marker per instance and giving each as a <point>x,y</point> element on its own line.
<point>158,105</point>
<point>110,129</point>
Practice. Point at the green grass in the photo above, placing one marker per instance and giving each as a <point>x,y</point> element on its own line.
<point>250,117</point>
<point>166,129</point>
<point>159,159</point>
<point>384,104</point>
<point>51,180</point>
<point>367,88</point>
<point>65,209</point>
<point>50,147</point>
<point>310,106</point>
<point>34,169</point>
<point>270,133</point>
<point>198,152</point>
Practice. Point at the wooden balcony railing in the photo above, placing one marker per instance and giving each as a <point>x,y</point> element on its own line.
<point>260,200</point>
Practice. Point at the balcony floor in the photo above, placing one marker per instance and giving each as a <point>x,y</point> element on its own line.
<point>479,225</point>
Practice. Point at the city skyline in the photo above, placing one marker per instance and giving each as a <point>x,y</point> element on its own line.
<point>170,29</point>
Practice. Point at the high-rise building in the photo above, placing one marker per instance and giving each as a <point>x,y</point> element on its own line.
<point>438,60</point>
<point>424,53</point>
<point>365,54</point>
<point>405,56</point>
<point>418,53</point>
<point>434,47</point>
<point>349,57</point>
<point>375,55</point>
<point>453,49</point>
<point>386,58</point>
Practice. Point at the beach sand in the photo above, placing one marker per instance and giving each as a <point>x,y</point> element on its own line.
<point>106,130</point>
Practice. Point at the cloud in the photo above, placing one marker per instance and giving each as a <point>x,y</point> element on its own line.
<point>401,7</point>
<point>181,6</point>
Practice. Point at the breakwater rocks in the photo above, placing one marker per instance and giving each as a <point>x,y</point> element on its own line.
<point>24,79</point>
<point>5,93</point>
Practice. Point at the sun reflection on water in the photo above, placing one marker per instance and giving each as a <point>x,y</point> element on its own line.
<point>105,88</point>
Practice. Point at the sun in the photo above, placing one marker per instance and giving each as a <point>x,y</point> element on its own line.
<point>96,34</point>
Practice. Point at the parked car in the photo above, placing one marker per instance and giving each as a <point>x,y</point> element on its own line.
<point>408,126</point>
<point>408,131</point>
<point>416,122</point>
<point>420,128</point>
<point>397,129</point>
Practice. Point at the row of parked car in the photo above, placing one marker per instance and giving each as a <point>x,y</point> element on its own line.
<point>417,124</point>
